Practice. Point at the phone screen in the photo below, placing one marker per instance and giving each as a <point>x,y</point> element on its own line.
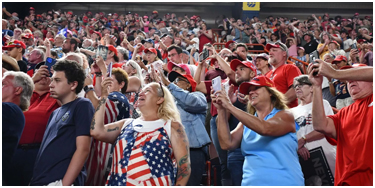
<point>50,62</point>
<point>216,83</point>
<point>204,54</point>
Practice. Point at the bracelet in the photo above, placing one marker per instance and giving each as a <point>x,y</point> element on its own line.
<point>98,74</point>
<point>88,88</point>
<point>304,138</point>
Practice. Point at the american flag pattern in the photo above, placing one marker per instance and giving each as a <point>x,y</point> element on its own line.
<point>142,159</point>
<point>100,158</point>
<point>133,97</point>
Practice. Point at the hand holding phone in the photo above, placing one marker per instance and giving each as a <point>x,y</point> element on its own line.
<point>50,62</point>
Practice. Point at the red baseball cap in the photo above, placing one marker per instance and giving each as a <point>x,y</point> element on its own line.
<point>32,8</point>
<point>228,43</point>
<point>154,12</point>
<point>15,43</point>
<point>28,36</point>
<point>340,58</point>
<point>112,48</point>
<point>361,40</point>
<point>98,33</point>
<point>256,81</point>
<point>115,14</point>
<point>235,62</point>
<point>117,65</point>
<point>356,14</point>
<point>353,66</point>
<point>153,50</point>
<point>183,66</point>
<point>85,19</point>
<point>173,75</point>
<point>71,13</point>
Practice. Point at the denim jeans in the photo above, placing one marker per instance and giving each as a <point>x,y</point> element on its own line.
<point>235,165</point>
<point>223,154</point>
<point>198,166</point>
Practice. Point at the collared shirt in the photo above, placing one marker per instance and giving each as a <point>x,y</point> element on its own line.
<point>41,107</point>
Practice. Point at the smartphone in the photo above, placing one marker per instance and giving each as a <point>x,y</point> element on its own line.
<point>354,46</point>
<point>204,55</point>
<point>216,84</point>
<point>87,71</point>
<point>109,69</point>
<point>50,62</point>
<point>102,51</point>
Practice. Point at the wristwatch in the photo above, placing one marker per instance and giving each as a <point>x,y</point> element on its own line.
<point>304,138</point>
<point>88,88</point>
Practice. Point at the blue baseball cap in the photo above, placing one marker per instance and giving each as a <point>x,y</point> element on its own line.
<point>150,41</point>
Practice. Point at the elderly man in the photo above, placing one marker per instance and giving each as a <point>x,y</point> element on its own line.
<point>351,129</point>
<point>17,91</point>
<point>283,74</point>
<point>36,56</point>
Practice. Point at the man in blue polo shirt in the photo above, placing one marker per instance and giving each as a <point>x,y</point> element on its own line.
<point>66,141</point>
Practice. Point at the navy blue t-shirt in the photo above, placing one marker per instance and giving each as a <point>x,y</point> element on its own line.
<point>13,124</point>
<point>59,142</point>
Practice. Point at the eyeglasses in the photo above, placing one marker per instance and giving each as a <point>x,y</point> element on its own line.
<point>180,79</point>
<point>171,55</point>
<point>300,85</point>
<point>161,87</point>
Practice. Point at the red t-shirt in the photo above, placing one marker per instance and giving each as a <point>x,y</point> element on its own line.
<point>354,157</point>
<point>283,78</point>
<point>41,107</point>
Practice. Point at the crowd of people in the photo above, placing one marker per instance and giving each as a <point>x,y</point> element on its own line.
<point>128,99</point>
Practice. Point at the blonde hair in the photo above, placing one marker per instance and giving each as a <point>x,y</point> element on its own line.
<point>278,100</point>
<point>168,109</point>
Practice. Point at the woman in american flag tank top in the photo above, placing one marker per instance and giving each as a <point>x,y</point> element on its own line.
<point>150,150</point>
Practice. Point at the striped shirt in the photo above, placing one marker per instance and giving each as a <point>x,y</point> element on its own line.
<point>143,158</point>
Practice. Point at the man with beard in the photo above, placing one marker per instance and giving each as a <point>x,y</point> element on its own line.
<point>69,45</point>
<point>283,74</point>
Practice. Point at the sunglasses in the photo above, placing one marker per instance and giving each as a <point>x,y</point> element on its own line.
<point>161,87</point>
<point>300,85</point>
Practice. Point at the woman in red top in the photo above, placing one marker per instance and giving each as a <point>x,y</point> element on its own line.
<point>205,36</point>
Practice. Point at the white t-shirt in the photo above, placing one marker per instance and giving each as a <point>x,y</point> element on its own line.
<point>147,126</point>
<point>196,44</point>
<point>302,115</point>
